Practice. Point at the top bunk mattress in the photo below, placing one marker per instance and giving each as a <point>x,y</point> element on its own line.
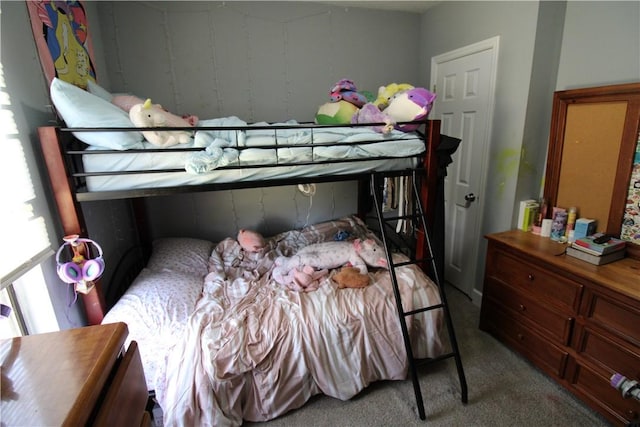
<point>228,151</point>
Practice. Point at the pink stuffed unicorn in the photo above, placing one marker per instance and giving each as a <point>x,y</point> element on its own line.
<point>153,115</point>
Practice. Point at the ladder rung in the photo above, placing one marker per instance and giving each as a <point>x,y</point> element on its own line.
<point>420,227</point>
<point>402,264</point>
<point>423,309</point>
<point>410,262</point>
<point>425,362</point>
<point>394,218</point>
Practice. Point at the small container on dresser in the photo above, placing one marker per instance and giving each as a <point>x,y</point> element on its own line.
<point>74,377</point>
<point>577,322</point>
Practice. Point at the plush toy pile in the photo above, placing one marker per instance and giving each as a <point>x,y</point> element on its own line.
<point>395,104</point>
<point>306,270</point>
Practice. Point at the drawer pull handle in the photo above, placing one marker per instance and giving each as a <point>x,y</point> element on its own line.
<point>520,337</point>
<point>631,414</point>
<point>530,277</point>
<point>522,307</point>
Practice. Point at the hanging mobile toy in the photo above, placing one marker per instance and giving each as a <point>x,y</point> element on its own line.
<point>82,270</point>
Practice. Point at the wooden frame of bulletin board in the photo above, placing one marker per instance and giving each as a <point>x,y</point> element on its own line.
<point>592,152</point>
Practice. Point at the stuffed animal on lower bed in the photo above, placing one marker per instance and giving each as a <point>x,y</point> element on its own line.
<point>153,115</point>
<point>357,253</point>
<point>250,241</point>
<point>350,277</point>
<point>306,279</point>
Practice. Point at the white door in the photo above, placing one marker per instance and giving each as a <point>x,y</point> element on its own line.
<point>464,81</point>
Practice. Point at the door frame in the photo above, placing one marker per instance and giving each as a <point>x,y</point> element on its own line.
<point>492,44</point>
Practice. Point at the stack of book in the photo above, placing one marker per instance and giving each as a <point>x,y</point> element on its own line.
<point>597,249</point>
<point>527,214</point>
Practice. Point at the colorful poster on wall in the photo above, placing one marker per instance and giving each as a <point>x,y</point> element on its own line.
<point>61,33</point>
<point>631,219</point>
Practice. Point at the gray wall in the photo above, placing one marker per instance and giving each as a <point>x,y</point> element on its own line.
<point>600,44</point>
<point>544,47</point>
<point>260,61</point>
<point>515,23</point>
<point>274,61</point>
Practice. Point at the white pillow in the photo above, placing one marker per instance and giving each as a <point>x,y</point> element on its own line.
<point>124,101</point>
<point>79,108</point>
<point>98,90</point>
<point>181,254</point>
<point>156,308</point>
<point>160,299</point>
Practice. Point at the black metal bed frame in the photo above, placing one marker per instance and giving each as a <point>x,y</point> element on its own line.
<point>424,257</point>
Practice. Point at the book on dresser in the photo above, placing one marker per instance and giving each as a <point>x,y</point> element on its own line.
<point>527,214</point>
<point>595,259</point>
<point>591,245</point>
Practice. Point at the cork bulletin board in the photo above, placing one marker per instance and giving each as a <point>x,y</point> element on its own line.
<point>592,141</point>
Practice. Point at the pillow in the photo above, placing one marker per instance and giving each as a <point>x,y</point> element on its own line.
<point>79,108</point>
<point>328,230</point>
<point>156,308</point>
<point>125,102</point>
<point>181,254</point>
<point>159,299</point>
<point>95,89</point>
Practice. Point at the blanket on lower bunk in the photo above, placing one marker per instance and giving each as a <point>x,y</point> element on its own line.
<point>252,349</point>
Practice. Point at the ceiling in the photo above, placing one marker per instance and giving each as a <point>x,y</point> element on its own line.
<point>417,6</point>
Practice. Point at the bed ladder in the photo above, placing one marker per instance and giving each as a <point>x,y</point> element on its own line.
<point>417,216</point>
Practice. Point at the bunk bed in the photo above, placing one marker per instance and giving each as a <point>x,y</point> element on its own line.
<point>213,356</point>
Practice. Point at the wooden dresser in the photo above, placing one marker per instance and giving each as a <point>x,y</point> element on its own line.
<point>577,322</point>
<point>72,378</point>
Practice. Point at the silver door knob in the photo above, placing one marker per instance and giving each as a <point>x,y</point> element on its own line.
<point>468,199</point>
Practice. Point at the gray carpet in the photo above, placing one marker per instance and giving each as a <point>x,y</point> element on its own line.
<point>503,390</point>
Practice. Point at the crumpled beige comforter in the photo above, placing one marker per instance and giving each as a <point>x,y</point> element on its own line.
<point>254,350</point>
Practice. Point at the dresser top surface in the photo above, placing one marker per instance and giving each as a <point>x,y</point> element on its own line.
<point>622,276</point>
<point>56,378</point>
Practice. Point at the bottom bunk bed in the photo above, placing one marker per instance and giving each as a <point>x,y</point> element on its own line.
<point>221,338</point>
<point>223,341</point>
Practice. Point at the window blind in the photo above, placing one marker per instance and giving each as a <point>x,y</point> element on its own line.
<point>24,241</point>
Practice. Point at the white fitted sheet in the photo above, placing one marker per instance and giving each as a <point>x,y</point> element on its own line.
<point>397,147</point>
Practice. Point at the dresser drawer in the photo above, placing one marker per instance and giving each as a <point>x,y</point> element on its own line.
<point>551,322</point>
<point>609,353</point>
<point>126,397</point>
<point>547,356</point>
<point>593,330</point>
<point>613,314</point>
<point>538,281</point>
<point>596,388</point>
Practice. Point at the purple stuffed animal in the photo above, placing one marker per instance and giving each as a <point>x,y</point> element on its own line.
<point>346,90</point>
<point>413,104</point>
<point>369,113</point>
